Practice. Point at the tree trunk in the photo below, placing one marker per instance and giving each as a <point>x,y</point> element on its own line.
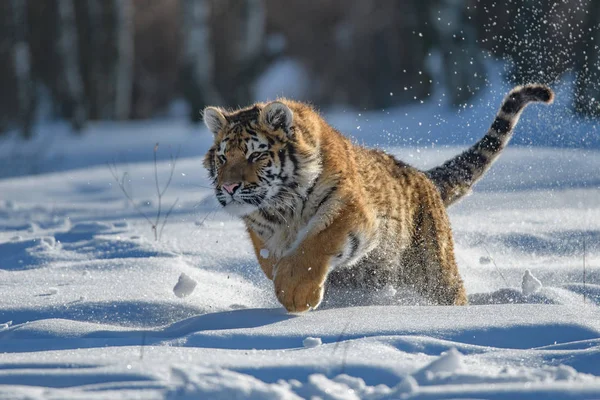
<point>22,67</point>
<point>124,62</point>
<point>97,90</point>
<point>198,64</point>
<point>68,54</point>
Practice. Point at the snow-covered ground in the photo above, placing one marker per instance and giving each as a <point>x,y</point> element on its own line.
<point>89,307</point>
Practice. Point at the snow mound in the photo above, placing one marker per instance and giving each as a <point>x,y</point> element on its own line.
<point>530,284</point>
<point>206,383</point>
<point>184,286</point>
<point>320,386</point>
<point>311,342</point>
<point>406,386</point>
<point>448,363</point>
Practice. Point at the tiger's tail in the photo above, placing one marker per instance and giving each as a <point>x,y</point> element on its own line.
<point>455,178</point>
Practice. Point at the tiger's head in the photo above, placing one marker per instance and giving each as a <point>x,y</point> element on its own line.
<point>259,158</point>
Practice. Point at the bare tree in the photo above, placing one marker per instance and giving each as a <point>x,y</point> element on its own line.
<point>68,53</point>
<point>22,67</point>
<point>158,223</point>
<point>97,90</point>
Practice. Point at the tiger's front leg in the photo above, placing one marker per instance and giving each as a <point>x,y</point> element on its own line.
<point>300,276</point>
<point>299,281</point>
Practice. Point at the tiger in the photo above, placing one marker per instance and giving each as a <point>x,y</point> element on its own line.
<point>323,211</point>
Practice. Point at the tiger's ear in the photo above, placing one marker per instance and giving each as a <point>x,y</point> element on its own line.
<point>277,115</point>
<point>214,119</point>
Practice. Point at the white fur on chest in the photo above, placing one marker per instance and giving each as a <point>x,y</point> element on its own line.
<point>283,238</point>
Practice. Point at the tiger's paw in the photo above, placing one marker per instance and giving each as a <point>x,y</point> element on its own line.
<point>297,293</point>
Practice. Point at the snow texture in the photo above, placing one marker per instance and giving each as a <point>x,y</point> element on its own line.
<point>87,309</point>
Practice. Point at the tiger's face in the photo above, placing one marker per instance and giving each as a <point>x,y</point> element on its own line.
<point>251,164</point>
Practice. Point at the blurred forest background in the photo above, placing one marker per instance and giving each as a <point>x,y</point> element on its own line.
<point>131,59</point>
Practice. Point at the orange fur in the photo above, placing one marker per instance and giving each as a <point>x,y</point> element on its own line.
<point>331,212</point>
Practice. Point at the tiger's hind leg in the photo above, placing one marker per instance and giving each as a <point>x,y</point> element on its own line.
<point>429,263</point>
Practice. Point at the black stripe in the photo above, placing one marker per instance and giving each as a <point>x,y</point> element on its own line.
<point>311,189</point>
<point>251,132</point>
<point>308,138</point>
<point>291,150</point>
<point>490,143</point>
<point>213,169</point>
<point>538,93</point>
<point>256,200</point>
<point>272,218</point>
<point>308,193</point>
<point>245,116</point>
<point>474,158</point>
<point>513,104</point>
<point>259,224</point>
<point>326,197</point>
<point>281,154</point>
<point>501,125</point>
<point>354,243</point>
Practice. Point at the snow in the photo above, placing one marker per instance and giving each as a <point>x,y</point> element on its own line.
<point>310,342</point>
<point>530,284</point>
<point>264,253</point>
<point>88,307</point>
<point>184,286</point>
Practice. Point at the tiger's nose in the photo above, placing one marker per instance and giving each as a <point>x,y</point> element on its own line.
<point>231,187</point>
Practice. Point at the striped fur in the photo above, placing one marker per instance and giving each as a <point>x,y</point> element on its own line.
<point>321,210</point>
<point>456,177</point>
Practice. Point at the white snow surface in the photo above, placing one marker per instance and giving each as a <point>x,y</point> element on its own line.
<point>88,309</point>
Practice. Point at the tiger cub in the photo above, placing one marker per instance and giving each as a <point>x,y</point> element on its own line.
<point>320,209</point>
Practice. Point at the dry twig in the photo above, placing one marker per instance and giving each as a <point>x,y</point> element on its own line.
<point>154,224</point>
